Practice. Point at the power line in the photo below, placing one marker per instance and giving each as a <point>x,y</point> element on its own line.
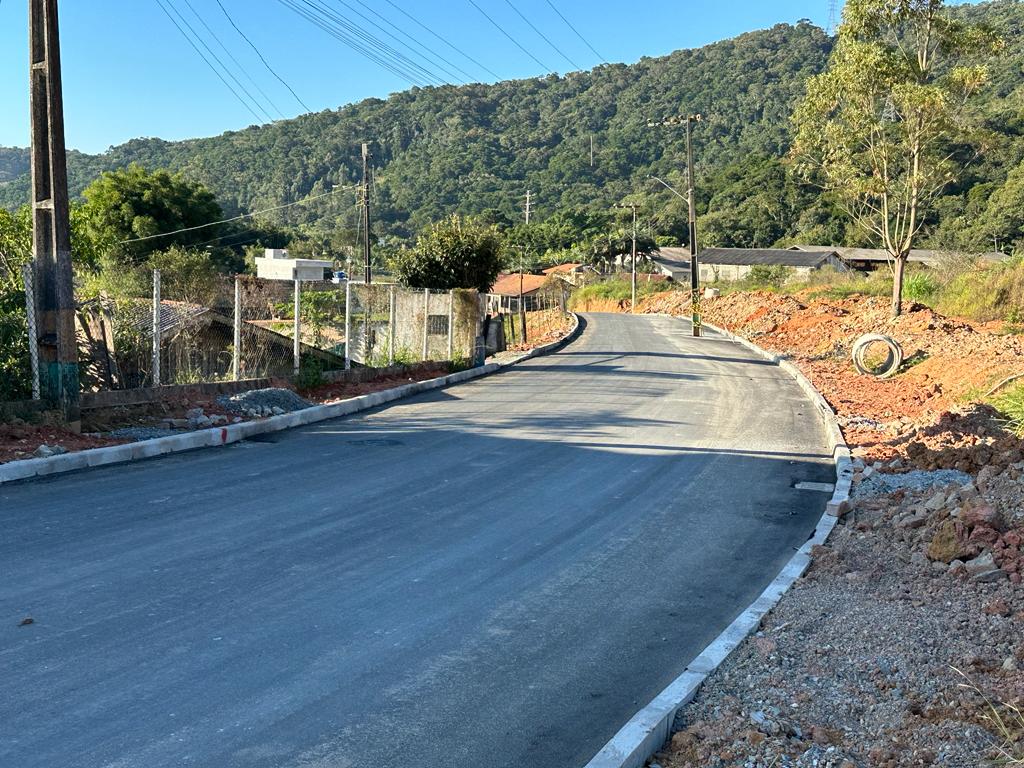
<point>570,26</point>
<point>392,36</point>
<point>506,34</point>
<point>231,56</point>
<point>207,61</point>
<point>459,51</point>
<point>558,50</point>
<point>348,33</point>
<point>240,217</point>
<point>265,63</point>
<point>416,42</point>
<point>197,38</point>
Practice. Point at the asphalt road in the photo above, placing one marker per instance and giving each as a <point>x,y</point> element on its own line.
<point>497,574</point>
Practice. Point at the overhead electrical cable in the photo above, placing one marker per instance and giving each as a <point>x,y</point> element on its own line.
<point>334,191</point>
<point>231,56</point>
<point>515,42</point>
<point>354,28</point>
<point>350,34</point>
<point>416,42</point>
<point>265,62</point>
<point>207,61</point>
<point>459,51</point>
<point>570,26</point>
<point>557,50</point>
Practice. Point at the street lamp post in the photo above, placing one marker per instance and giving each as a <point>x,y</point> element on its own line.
<point>692,234</point>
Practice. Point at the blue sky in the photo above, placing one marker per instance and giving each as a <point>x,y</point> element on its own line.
<point>129,72</point>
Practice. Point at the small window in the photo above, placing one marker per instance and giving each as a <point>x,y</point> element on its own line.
<point>437,325</point>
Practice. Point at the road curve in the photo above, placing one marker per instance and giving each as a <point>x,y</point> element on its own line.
<point>496,574</point>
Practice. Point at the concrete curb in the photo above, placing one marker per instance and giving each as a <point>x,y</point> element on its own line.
<point>649,729</point>
<point>27,469</point>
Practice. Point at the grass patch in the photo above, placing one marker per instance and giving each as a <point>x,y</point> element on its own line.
<point>616,289</point>
<point>1011,405</point>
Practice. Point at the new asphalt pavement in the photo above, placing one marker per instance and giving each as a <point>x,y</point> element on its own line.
<point>495,574</point>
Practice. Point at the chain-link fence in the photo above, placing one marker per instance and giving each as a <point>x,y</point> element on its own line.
<point>181,331</point>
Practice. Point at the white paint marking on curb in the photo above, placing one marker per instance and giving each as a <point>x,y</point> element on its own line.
<point>649,729</point>
<point>26,469</point>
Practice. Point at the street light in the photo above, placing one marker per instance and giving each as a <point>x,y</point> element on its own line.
<point>694,282</point>
<point>669,187</point>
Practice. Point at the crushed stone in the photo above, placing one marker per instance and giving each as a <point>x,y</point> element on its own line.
<point>264,402</point>
<point>914,480</point>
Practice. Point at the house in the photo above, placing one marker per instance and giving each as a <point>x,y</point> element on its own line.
<point>674,263</point>
<point>569,268</point>
<point>506,292</point>
<point>868,259</point>
<point>727,264</point>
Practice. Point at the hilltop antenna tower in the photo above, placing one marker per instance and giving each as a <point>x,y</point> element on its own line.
<point>833,16</point>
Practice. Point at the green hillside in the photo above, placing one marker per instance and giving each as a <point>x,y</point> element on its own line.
<point>477,148</point>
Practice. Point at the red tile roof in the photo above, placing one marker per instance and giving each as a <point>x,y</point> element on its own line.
<point>508,285</point>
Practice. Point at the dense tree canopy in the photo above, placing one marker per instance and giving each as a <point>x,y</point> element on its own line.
<point>453,253</point>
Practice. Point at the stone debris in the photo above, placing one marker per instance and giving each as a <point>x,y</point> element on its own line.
<point>263,402</point>
<point>45,451</point>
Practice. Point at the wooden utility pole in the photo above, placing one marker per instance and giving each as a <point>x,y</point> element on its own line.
<point>366,214</point>
<point>51,235</point>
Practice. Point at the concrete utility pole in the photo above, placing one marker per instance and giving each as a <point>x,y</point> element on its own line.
<point>51,235</point>
<point>632,306</point>
<point>692,235</point>
<point>527,207</point>
<point>694,281</point>
<point>366,214</point>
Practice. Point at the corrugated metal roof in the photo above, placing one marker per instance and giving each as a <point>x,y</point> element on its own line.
<point>920,255</point>
<point>768,256</point>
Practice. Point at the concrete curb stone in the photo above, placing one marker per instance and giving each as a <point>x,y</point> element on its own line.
<point>648,730</point>
<point>26,469</point>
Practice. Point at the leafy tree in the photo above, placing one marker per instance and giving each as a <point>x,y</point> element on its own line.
<point>453,253</point>
<point>15,246</point>
<point>882,123</point>
<point>124,205</point>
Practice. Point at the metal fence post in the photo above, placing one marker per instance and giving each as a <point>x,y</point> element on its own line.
<point>391,326</point>
<point>297,341</point>
<point>451,324</point>
<point>156,328</point>
<point>30,317</point>
<point>236,357</point>
<point>348,325</point>
<point>426,321</point>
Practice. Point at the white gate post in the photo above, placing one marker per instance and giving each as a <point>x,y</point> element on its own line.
<point>236,358</point>
<point>30,317</point>
<point>426,320</point>
<point>451,323</point>
<point>156,328</point>
<point>297,342</point>
<point>391,326</point>
<point>348,324</point>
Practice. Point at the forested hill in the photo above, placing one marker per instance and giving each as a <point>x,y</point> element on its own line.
<point>477,148</point>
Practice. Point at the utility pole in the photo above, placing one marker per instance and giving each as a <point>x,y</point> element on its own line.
<point>692,234</point>
<point>591,150</point>
<point>527,207</point>
<point>694,282</point>
<point>51,235</point>
<point>632,306</point>
<point>366,214</point>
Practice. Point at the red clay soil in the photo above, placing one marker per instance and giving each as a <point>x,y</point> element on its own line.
<point>912,416</point>
<point>332,393</point>
<point>18,441</point>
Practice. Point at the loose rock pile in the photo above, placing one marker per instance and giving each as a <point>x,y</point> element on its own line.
<point>263,402</point>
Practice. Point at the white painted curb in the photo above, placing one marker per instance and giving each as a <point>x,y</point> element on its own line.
<point>205,438</point>
<point>649,729</point>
